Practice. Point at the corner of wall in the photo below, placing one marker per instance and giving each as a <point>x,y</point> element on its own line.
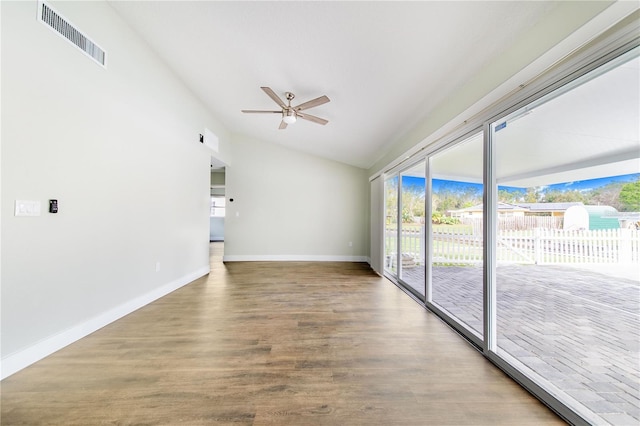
<point>15,362</point>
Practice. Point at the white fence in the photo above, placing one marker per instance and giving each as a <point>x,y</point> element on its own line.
<point>516,222</point>
<point>540,246</point>
<point>562,246</point>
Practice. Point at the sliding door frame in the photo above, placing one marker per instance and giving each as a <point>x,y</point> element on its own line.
<point>388,272</point>
<point>617,43</point>
<point>595,69</point>
<point>396,279</point>
<point>474,339</point>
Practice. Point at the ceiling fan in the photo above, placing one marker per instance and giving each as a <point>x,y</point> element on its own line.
<point>291,113</point>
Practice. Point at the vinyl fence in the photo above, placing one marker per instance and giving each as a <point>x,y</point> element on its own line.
<point>540,246</point>
<point>516,222</point>
<point>595,246</point>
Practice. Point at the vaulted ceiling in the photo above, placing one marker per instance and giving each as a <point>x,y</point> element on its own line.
<point>384,65</point>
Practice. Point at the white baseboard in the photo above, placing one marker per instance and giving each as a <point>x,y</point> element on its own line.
<point>293,258</point>
<point>17,361</point>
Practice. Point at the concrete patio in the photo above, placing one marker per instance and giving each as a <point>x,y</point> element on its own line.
<point>578,329</point>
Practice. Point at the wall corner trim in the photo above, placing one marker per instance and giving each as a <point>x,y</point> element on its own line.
<point>15,362</point>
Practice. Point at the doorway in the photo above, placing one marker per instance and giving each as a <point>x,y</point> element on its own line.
<point>217,211</point>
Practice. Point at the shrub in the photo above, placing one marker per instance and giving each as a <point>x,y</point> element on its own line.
<point>437,218</point>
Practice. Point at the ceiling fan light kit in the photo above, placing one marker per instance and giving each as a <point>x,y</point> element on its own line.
<point>289,116</point>
<point>291,113</point>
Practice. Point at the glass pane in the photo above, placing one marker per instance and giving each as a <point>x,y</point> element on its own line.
<point>568,245</point>
<point>412,227</point>
<point>456,232</point>
<point>217,206</point>
<point>391,224</point>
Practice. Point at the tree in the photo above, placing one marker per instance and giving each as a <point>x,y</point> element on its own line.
<point>532,195</point>
<point>510,196</point>
<point>565,197</point>
<point>456,195</point>
<point>630,196</point>
<point>391,200</point>
<point>608,195</point>
<point>412,203</point>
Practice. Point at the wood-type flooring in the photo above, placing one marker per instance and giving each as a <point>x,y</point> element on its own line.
<point>272,343</point>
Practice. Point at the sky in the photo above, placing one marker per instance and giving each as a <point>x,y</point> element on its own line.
<point>581,185</point>
<point>586,185</point>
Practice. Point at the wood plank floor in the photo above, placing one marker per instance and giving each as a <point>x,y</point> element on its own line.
<point>267,343</point>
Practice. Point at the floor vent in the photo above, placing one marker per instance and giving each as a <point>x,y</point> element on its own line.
<point>53,20</point>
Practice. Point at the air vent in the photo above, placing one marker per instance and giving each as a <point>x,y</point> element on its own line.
<point>53,20</point>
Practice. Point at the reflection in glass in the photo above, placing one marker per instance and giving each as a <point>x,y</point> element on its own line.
<point>567,280</point>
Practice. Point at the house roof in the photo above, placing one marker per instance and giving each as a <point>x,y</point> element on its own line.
<point>501,207</point>
<point>532,207</point>
<point>548,207</point>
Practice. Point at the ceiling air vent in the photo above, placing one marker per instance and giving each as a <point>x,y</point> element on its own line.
<point>53,20</point>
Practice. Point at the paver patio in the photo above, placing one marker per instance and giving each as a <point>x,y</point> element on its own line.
<point>578,329</point>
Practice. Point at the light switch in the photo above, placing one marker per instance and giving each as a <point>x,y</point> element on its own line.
<point>27,208</point>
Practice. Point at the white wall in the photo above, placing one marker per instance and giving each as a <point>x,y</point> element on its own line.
<point>293,206</point>
<point>118,147</point>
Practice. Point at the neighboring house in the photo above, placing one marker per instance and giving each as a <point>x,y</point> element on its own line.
<point>594,217</point>
<point>552,209</point>
<point>518,209</point>
<point>476,211</point>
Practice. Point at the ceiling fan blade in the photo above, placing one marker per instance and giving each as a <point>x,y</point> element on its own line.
<point>259,111</point>
<point>312,103</point>
<point>283,125</point>
<point>312,118</point>
<point>273,96</point>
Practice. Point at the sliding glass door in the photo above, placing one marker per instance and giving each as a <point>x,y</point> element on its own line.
<point>525,237</point>
<point>391,225</point>
<point>456,233</point>
<point>412,228</point>
<point>567,243</point>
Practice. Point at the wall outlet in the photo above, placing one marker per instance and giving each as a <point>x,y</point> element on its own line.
<point>157,266</point>
<point>350,243</point>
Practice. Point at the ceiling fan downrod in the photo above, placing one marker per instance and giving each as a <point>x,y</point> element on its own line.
<point>289,114</point>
